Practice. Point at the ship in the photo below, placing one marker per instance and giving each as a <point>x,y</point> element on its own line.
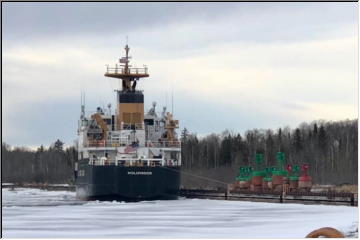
<point>129,155</point>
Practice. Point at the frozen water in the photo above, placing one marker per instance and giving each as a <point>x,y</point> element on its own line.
<point>57,214</point>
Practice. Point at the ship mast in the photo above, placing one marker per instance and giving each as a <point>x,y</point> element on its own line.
<point>127,58</point>
<point>125,72</point>
<point>130,102</point>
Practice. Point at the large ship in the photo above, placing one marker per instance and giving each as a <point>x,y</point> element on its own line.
<point>129,155</point>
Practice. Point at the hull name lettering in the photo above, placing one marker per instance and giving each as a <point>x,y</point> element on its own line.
<point>139,173</point>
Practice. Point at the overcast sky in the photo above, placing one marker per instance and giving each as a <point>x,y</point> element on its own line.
<point>232,66</point>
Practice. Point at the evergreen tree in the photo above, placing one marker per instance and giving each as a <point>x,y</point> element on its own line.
<point>58,146</point>
<point>184,134</point>
<point>322,139</point>
<point>297,140</point>
<point>315,129</point>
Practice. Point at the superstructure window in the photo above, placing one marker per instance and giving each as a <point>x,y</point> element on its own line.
<point>149,121</point>
<point>107,120</point>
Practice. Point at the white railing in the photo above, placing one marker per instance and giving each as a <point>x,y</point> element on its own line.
<point>163,144</point>
<point>122,142</point>
<point>121,70</point>
<point>107,143</point>
<point>132,162</point>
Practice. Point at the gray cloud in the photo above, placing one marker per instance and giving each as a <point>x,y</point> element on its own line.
<point>266,58</point>
<point>43,19</point>
<point>249,21</point>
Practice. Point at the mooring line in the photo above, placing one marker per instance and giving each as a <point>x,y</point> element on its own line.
<point>198,176</point>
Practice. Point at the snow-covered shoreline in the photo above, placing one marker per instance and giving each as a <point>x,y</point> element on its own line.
<point>47,214</point>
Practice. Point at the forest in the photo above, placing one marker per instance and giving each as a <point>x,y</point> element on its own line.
<point>330,148</point>
<point>45,165</point>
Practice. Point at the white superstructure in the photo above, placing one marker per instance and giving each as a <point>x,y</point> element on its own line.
<point>129,137</point>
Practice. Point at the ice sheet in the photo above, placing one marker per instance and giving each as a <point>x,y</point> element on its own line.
<point>38,213</point>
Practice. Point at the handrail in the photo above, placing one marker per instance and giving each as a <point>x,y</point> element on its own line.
<point>134,162</point>
<point>163,144</point>
<point>126,142</point>
<point>120,69</point>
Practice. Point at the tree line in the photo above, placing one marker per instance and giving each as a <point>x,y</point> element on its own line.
<point>330,148</point>
<point>51,165</point>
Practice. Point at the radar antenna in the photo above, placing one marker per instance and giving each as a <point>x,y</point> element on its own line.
<point>124,71</point>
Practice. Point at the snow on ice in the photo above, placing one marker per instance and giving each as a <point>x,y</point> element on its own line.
<point>34,213</point>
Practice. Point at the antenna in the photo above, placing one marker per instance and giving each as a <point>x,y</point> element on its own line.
<point>82,100</point>
<point>127,38</point>
<point>109,107</point>
<point>166,99</point>
<point>82,97</point>
<point>172,101</point>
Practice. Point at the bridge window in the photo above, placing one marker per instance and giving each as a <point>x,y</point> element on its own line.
<point>149,121</point>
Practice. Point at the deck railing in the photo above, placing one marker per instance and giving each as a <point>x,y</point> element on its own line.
<point>131,162</point>
<point>121,70</point>
<point>126,142</point>
<point>163,144</point>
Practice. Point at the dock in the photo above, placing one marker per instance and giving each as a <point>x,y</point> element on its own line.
<point>331,198</point>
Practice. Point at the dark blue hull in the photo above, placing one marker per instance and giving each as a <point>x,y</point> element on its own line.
<point>126,183</point>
